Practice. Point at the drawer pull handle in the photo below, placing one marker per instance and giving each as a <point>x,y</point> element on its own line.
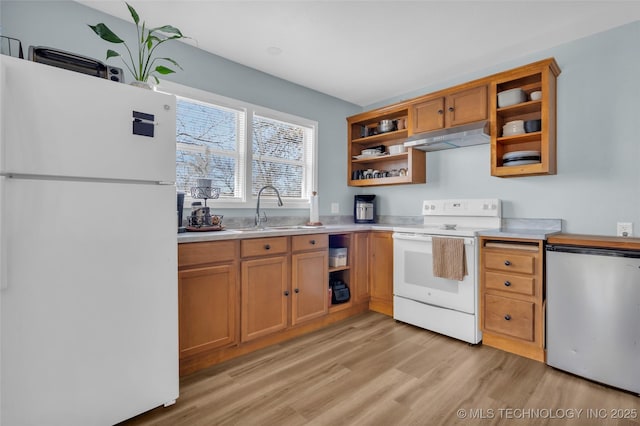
<point>267,247</point>
<point>286,292</point>
<point>507,317</point>
<point>450,109</point>
<point>507,263</point>
<point>313,242</point>
<point>440,112</point>
<point>507,284</point>
<point>297,290</point>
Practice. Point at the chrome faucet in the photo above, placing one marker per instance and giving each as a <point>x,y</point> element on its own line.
<point>258,219</point>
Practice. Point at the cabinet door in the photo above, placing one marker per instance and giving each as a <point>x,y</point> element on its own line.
<point>428,115</point>
<point>381,272</point>
<point>207,300</point>
<point>467,106</point>
<point>264,296</point>
<point>310,280</point>
<point>360,267</point>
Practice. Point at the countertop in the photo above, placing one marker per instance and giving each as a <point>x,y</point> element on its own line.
<point>277,231</point>
<point>531,229</point>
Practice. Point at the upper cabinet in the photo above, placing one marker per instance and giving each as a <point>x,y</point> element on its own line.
<point>527,147</point>
<point>449,110</point>
<point>366,131</point>
<point>523,129</point>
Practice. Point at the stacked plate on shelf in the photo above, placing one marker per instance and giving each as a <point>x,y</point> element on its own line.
<point>519,158</point>
<point>370,152</point>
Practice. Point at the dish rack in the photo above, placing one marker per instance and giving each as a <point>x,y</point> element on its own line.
<point>201,218</point>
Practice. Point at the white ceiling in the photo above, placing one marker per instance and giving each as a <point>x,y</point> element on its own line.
<point>367,51</point>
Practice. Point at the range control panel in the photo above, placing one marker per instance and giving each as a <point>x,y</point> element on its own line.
<point>463,207</point>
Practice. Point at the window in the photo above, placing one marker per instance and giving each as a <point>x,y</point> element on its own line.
<point>242,147</point>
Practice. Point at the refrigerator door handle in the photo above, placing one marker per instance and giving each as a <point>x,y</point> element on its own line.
<point>3,237</point>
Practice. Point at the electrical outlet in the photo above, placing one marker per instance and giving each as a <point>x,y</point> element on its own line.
<point>625,229</point>
<point>335,208</point>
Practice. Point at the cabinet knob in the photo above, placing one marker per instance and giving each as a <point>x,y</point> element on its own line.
<point>440,112</point>
<point>297,290</point>
<point>450,109</point>
<point>507,317</point>
<point>267,247</point>
<point>313,242</point>
<point>286,292</point>
<point>507,284</point>
<point>507,263</point>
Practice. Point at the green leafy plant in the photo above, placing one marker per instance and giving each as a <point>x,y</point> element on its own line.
<point>142,67</point>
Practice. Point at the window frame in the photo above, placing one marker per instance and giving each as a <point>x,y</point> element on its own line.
<point>247,200</point>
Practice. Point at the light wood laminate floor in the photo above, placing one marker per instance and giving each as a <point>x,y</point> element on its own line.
<point>372,370</point>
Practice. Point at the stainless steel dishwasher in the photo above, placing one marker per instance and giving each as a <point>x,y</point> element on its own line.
<point>593,313</point>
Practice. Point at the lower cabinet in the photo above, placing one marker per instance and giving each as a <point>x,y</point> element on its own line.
<point>381,272</point>
<point>208,296</point>
<point>237,296</point>
<point>265,287</point>
<point>512,295</point>
<point>360,269</point>
<point>309,278</point>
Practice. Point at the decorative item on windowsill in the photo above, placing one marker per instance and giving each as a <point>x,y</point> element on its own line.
<point>314,216</point>
<point>201,218</point>
<point>142,67</point>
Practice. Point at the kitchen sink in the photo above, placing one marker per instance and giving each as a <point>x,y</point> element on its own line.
<point>284,227</point>
<point>275,228</point>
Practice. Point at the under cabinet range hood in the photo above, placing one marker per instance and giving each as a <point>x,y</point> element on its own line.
<point>476,133</point>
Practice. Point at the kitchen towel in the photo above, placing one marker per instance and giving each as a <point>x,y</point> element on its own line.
<point>448,258</point>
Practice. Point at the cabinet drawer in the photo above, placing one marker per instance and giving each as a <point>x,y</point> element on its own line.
<point>522,263</point>
<point>309,242</point>
<point>510,283</point>
<point>509,316</point>
<point>190,254</point>
<point>263,246</point>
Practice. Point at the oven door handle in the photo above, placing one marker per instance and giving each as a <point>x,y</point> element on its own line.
<point>410,236</point>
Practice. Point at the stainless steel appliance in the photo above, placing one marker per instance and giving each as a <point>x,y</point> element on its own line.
<point>364,209</point>
<point>71,61</point>
<point>593,313</point>
<point>438,304</point>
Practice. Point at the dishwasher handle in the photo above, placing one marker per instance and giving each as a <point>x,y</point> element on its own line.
<point>596,251</point>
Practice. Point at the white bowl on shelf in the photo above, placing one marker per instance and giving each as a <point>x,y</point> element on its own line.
<point>513,128</point>
<point>511,97</point>
<point>535,96</point>
<point>397,149</point>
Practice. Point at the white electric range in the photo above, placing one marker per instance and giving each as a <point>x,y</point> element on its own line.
<point>445,306</point>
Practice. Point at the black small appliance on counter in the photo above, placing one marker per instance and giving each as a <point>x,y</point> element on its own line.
<point>364,209</point>
<point>180,208</point>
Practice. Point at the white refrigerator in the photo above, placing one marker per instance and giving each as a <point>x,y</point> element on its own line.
<point>88,254</point>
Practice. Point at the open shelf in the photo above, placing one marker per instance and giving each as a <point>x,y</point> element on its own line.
<point>539,76</point>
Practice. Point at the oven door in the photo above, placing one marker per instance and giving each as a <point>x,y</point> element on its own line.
<point>413,274</point>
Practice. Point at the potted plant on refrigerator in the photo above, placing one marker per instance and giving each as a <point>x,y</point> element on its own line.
<point>143,64</point>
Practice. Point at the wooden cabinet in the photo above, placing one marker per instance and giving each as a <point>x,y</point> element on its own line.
<point>309,277</point>
<point>512,295</point>
<point>362,134</point>
<point>265,286</point>
<point>381,272</point>
<point>208,296</point>
<point>538,76</point>
<point>360,267</point>
<point>454,109</point>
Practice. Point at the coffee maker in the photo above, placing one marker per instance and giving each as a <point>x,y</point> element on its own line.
<point>364,209</point>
